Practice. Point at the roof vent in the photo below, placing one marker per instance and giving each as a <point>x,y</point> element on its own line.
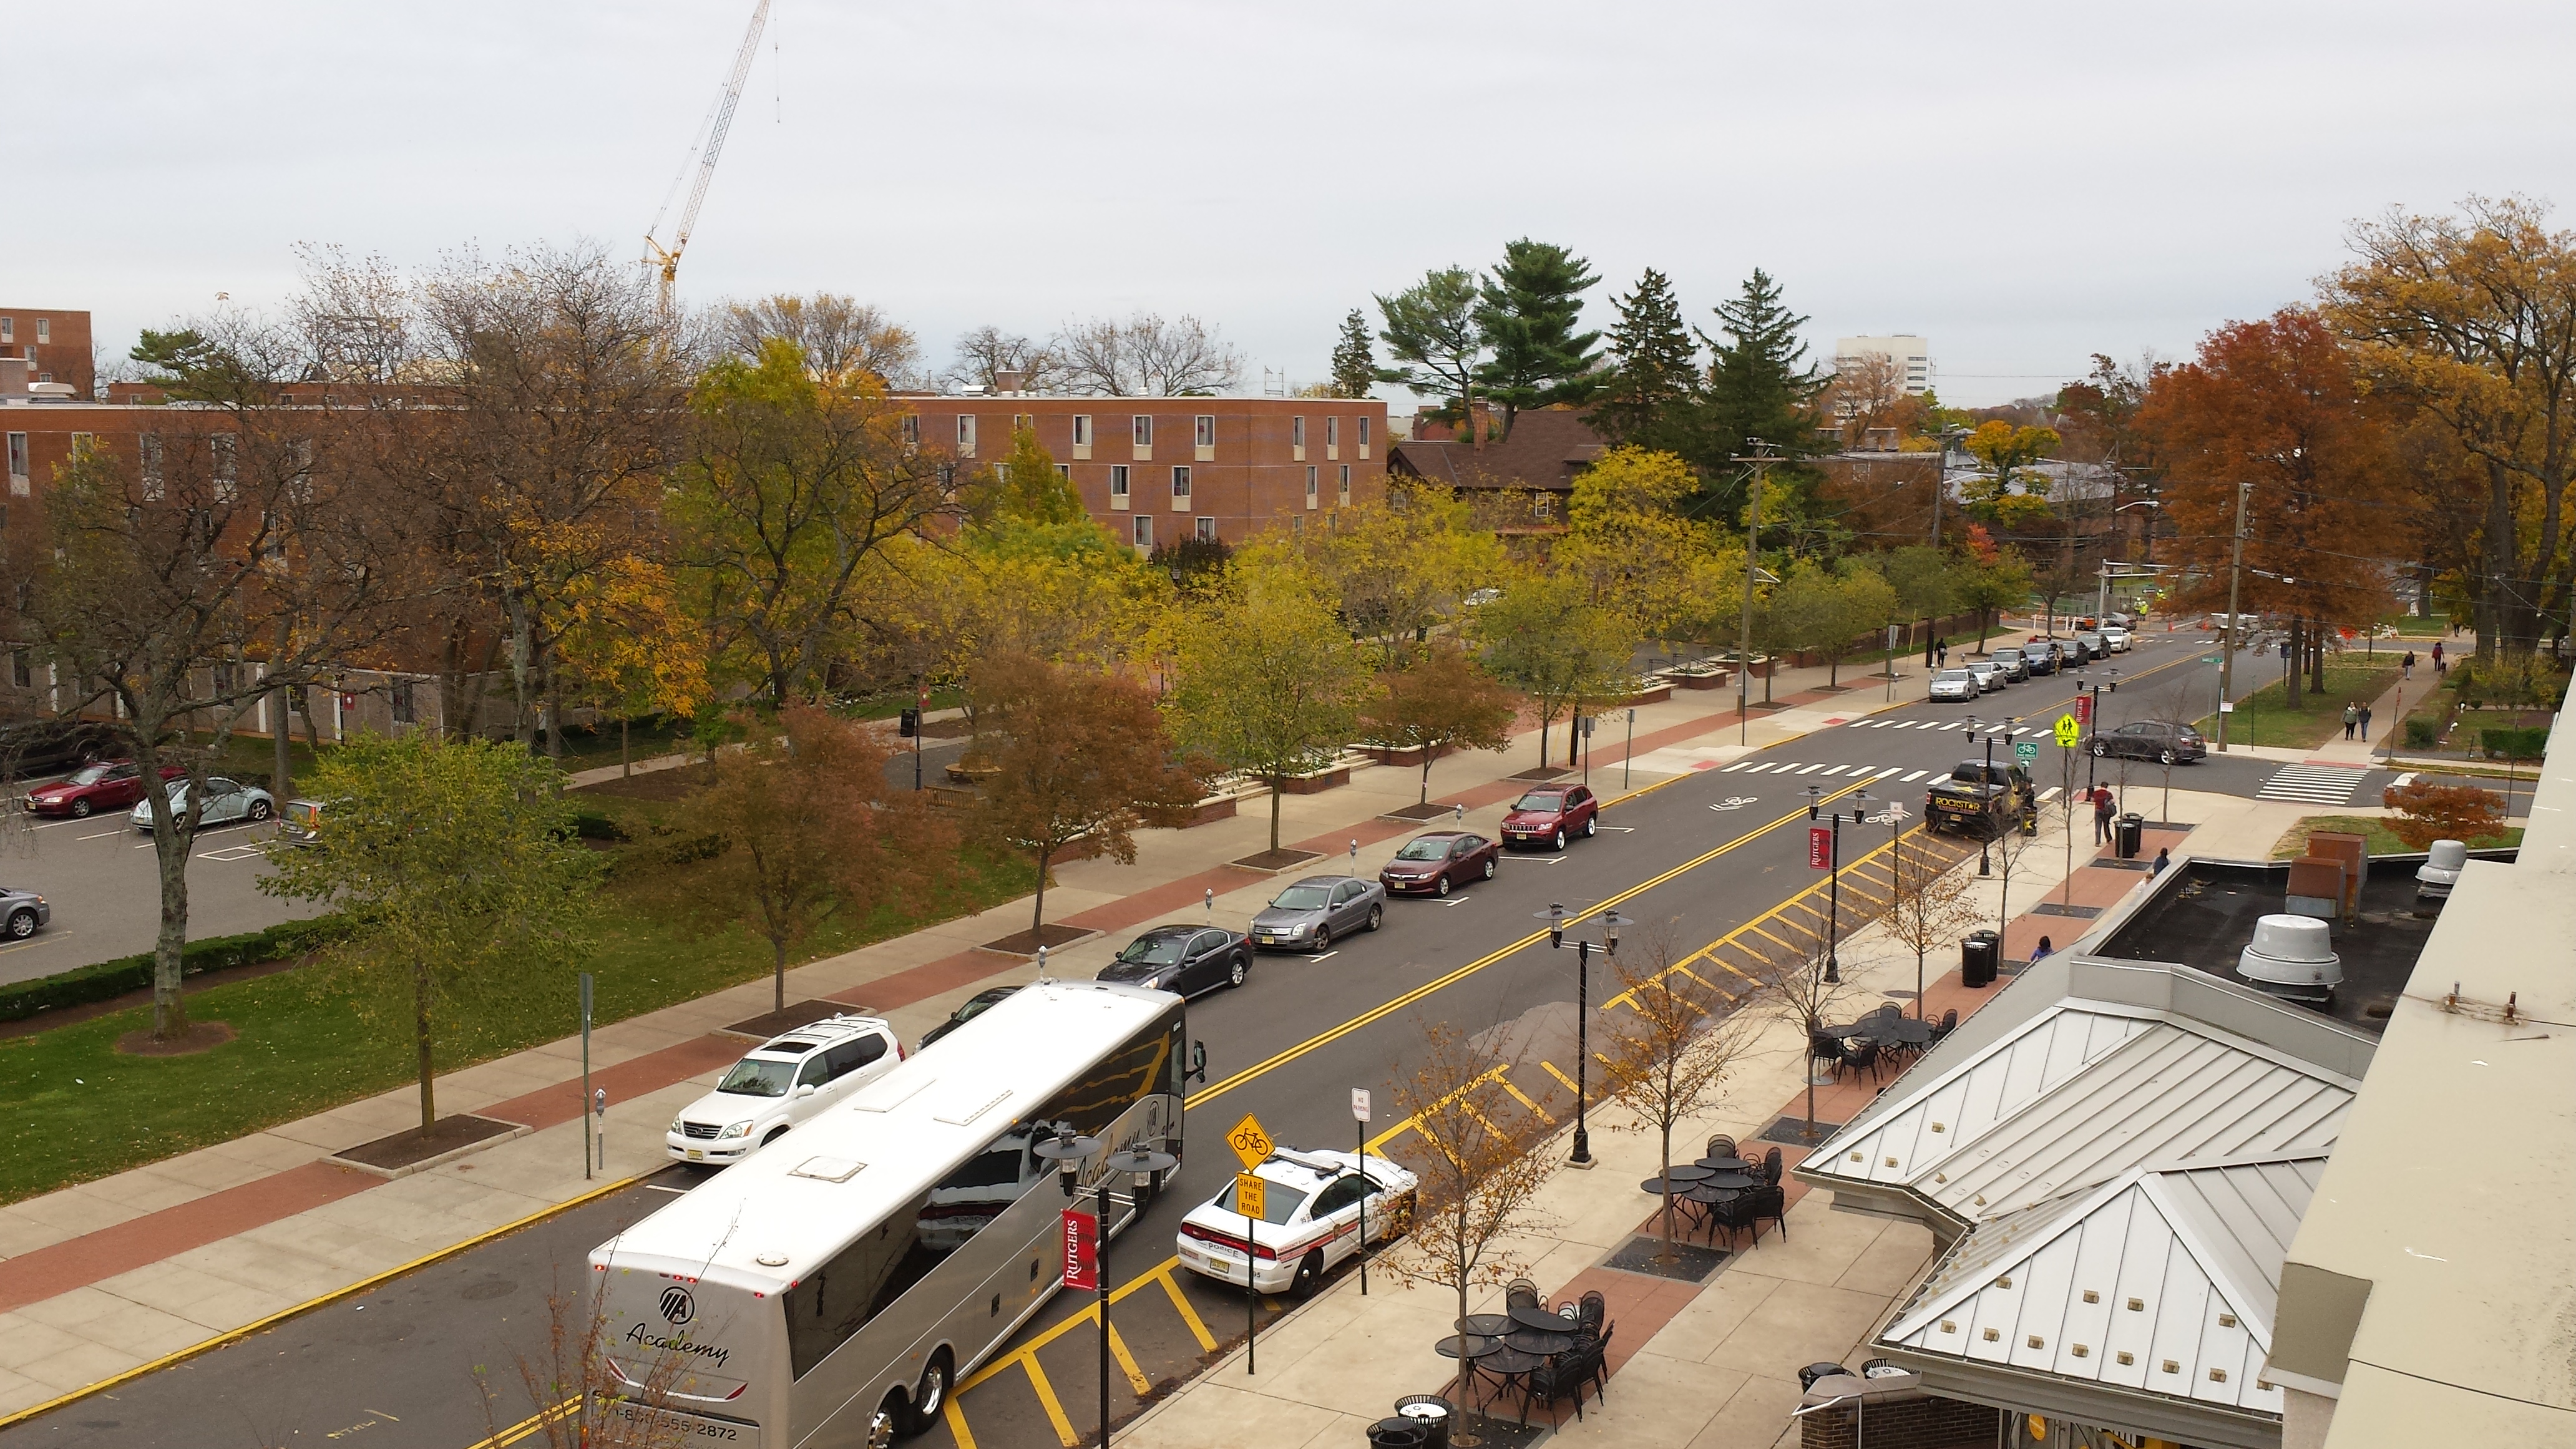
<point>828,1169</point>
<point>2292,953</point>
<point>2441,869</point>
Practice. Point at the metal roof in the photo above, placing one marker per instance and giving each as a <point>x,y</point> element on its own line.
<point>2162,1282</point>
<point>2083,1092</point>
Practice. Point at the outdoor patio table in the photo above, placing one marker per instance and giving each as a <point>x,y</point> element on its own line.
<point>1487,1325</point>
<point>1545,1342</point>
<point>1905,1031</point>
<point>1540,1317</point>
<point>1725,1164</point>
<point>1479,1346</point>
<point>1728,1180</point>
<point>1683,1175</point>
<point>1509,1367</point>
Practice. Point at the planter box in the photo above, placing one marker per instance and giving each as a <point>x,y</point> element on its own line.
<point>1393,754</point>
<point>1214,807</point>
<point>1721,679</point>
<point>1656,695</point>
<point>1316,782</point>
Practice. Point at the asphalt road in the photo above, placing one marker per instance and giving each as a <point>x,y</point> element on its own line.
<point>100,877</point>
<point>1697,857</point>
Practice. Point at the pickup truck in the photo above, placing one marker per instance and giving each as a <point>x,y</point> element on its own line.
<point>1979,799</point>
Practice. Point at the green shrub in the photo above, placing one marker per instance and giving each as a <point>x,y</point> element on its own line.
<point>2422,734</point>
<point>591,825</point>
<point>110,979</point>
<point>2514,744</point>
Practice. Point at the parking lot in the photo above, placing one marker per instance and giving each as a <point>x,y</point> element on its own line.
<point>99,875</point>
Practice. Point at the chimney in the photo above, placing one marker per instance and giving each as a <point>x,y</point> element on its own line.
<point>1007,382</point>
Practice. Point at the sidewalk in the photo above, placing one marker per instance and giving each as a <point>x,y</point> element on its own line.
<point>110,1278</point>
<point>1694,1365</point>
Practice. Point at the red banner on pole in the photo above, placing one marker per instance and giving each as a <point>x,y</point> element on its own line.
<point>2084,709</point>
<point>1081,1251</point>
<point>1820,847</point>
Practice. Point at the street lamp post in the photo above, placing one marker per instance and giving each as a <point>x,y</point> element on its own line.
<point>1834,878</point>
<point>1894,818</point>
<point>2093,757</point>
<point>1067,1150</point>
<point>1611,921</point>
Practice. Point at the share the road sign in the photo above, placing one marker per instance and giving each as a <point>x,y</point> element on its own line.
<point>1249,1141</point>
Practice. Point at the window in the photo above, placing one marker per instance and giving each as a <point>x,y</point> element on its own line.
<point>1180,481</point>
<point>1141,427</point>
<point>223,678</point>
<point>966,433</point>
<point>1332,432</point>
<point>21,673</point>
<point>1363,424</point>
<point>1019,422</point>
<point>1311,487</point>
<point>1346,485</point>
<point>82,443</point>
<point>849,1056</point>
<point>815,1072</point>
<point>1117,480</point>
<point>1296,432</point>
<point>17,455</point>
<point>44,329</point>
<point>150,446</point>
<point>226,451</point>
<point>1207,430</point>
<point>912,430</point>
<point>8,329</point>
<point>1064,471</point>
<point>1082,430</point>
<point>1207,529</point>
<point>1145,531</point>
<point>406,702</point>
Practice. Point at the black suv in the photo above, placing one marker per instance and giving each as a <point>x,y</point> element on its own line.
<point>2166,744</point>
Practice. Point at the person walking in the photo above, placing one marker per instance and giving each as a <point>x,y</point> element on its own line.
<point>1942,647</point>
<point>2365,724</point>
<point>2437,656</point>
<point>2406,666</point>
<point>2351,719</point>
<point>2104,807</point>
<point>2164,857</point>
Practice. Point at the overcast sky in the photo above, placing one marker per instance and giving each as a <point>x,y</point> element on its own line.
<point>2023,184</point>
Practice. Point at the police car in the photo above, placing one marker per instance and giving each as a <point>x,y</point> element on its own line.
<point>1310,1221</point>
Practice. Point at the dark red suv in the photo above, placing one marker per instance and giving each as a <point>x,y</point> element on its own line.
<point>1548,815</point>
<point>92,788</point>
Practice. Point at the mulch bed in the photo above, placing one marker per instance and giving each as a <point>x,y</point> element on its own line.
<point>796,1013</point>
<point>1690,1263</point>
<point>201,1036</point>
<point>665,785</point>
<point>1542,773</point>
<point>1026,943</point>
<point>1418,812</point>
<point>1277,860</point>
<point>410,1145</point>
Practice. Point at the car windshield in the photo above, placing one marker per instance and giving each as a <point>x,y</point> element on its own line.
<point>89,775</point>
<point>1541,800</point>
<point>1304,898</point>
<point>1424,850</point>
<point>1279,1201</point>
<point>1152,951</point>
<point>752,1077</point>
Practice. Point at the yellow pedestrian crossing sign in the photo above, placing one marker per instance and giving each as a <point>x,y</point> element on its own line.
<point>1249,1142</point>
<point>2067,731</point>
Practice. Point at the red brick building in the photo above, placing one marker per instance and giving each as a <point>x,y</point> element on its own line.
<point>53,342</point>
<point>1156,470</point>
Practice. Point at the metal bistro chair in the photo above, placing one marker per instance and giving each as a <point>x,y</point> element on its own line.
<point>1565,1377</point>
<point>1863,1058</point>
<point>1721,1145</point>
<point>1771,1168</point>
<point>1521,1292</point>
<point>1829,1050</point>
<point>1949,1023</point>
<point>1767,1204</point>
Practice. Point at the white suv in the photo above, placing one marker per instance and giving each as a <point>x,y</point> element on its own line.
<point>783,1082</point>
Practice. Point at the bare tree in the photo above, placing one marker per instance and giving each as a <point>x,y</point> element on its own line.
<point>1862,394</point>
<point>843,339</point>
<point>576,1398</point>
<point>1664,1057</point>
<point>987,352</point>
<point>1928,902</point>
<point>1146,356</point>
<point>1798,990</point>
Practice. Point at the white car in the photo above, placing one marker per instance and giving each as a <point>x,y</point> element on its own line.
<point>1310,1219</point>
<point>1990,675</point>
<point>784,1081</point>
<point>2115,638</point>
<point>1955,684</point>
<point>226,801</point>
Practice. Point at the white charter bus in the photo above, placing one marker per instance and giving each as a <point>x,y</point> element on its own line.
<point>830,1289</point>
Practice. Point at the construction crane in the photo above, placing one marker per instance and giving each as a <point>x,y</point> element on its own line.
<point>703,150</point>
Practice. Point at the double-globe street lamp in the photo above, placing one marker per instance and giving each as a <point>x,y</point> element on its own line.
<point>1611,921</point>
<point>1834,863</point>
<point>1988,732</point>
<point>1068,1150</point>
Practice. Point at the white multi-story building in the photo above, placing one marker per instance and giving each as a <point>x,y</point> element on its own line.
<point>1911,354</point>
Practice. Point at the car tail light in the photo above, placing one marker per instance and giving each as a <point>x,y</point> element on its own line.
<point>1227,1241</point>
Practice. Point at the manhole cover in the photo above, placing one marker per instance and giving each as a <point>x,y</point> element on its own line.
<point>489,1289</point>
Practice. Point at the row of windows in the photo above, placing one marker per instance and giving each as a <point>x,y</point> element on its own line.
<point>44,331</point>
<point>1140,430</point>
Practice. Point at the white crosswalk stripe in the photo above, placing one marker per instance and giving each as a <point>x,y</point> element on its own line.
<point>1731,769</point>
<point>2312,784</point>
<point>1808,769</point>
<point>1758,769</point>
<point>1917,775</point>
<point>1836,769</point>
<point>1890,770</point>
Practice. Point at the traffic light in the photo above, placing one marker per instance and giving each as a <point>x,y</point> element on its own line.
<point>910,724</point>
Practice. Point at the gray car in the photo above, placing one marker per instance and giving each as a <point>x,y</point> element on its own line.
<point>1308,916</point>
<point>226,801</point>
<point>24,913</point>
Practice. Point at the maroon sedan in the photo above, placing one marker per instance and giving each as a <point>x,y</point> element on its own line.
<point>1549,814</point>
<point>1434,864</point>
<point>92,788</point>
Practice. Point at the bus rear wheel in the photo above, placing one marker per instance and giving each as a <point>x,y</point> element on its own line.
<point>930,1396</point>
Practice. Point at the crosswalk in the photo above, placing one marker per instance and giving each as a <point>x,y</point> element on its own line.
<point>1926,725</point>
<point>2312,784</point>
<point>1847,772</point>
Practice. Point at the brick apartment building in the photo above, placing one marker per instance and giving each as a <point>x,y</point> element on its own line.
<point>54,344</point>
<point>1157,470</point>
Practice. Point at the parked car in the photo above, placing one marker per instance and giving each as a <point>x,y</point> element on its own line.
<point>781,1083</point>
<point>227,801</point>
<point>2074,653</point>
<point>1990,675</point>
<point>24,912</point>
<point>1550,814</point>
<point>2093,645</point>
<point>1308,916</point>
<point>2010,661</point>
<point>1313,1204</point>
<point>2115,638</point>
<point>1955,684</point>
<point>1978,799</point>
<point>1184,960</point>
<point>974,1006</point>
<point>2166,744</point>
<point>1439,862</point>
<point>2041,657</point>
<point>41,746</point>
<point>300,823</point>
<point>92,788</point>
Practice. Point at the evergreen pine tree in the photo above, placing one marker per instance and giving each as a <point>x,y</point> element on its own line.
<point>1654,371</point>
<point>1528,310</point>
<point>1759,386</point>
<point>1354,358</point>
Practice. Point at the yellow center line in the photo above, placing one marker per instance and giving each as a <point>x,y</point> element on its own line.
<point>528,1425</point>
<point>1389,1008</point>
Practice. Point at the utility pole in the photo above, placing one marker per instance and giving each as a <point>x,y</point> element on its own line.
<point>2227,643</point>
<point>1744,635</point>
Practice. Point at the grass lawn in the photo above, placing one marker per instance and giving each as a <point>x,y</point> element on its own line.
<point>2382,840</point>
<point>2265,718</point>
<point>79,1110</point>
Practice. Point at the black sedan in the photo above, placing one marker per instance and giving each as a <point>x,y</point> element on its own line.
<point>975,1006</point>
<point>2166,744</point>
<point>1185,960</point>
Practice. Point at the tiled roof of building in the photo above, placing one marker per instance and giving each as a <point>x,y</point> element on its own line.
<point>1547,447</point>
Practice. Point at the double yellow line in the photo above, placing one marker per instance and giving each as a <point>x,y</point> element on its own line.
<point>1389,1008</point>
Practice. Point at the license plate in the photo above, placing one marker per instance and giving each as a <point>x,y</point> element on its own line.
<point>697,1155</point>
<point>674,1427</point>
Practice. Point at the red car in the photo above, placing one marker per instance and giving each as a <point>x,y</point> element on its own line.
<point>1549,814</point>
<point>92,788</point>
<point>1433,864</point>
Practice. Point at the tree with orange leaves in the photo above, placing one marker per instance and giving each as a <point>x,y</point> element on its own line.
<point>2276,405</point>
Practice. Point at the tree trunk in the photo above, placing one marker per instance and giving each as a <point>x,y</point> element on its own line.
<point>280,723</point>
<point>1543,722</point>
<point>625,758</point>
<point>2298,662</point>
<point>523,684</point>
<point>1037,918</point>
<point>1278,787</point>
<point>1427,758</point>
<point>420,1039</point>
<point>1665,1172</point>
<point>778,972</point>
<point>170,854</point>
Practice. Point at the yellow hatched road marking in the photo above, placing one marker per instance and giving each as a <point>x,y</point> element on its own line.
<point>1564,1080</point>
<point>1127,1362</point>
<point>1523,1098</point>
<point>1048,1401</point>
<point>1189,1315</point>
<point>957,1423</point>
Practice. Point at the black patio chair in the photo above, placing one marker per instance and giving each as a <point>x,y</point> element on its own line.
<point>1521,1292</point>
<point>1736,1216</point>
<point>1591,1314</point>
<point>1948,1024</point>
<point>1565,1377</point>
<point>1721,1145</point>
<point>1829,1050</point>
<point>1771,1168</point>
<point>1863,1058</point>
<point>1767,1204</point>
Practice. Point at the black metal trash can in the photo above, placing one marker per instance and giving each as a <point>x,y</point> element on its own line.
<point>1979,952</point>
<point>2129,834</point>
<point>1807,1376</point>
<point>1434,1413</point>
<point>1398,1433</point>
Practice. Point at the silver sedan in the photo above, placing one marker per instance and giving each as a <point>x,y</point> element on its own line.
<point>226,802</point>
<point>1307,916</point>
